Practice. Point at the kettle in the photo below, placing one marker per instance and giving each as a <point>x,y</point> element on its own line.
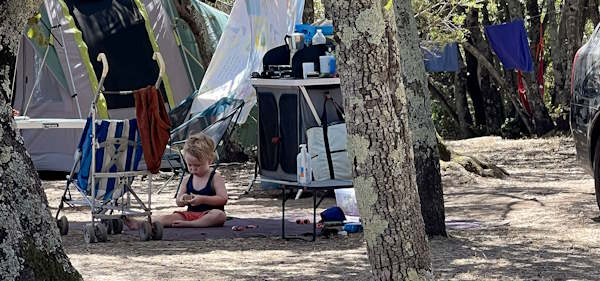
<point>295,42</point>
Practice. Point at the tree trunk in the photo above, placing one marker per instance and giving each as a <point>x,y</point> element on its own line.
<point>426,155</point>
<point>308,14</point>
<point>437,94</point>
<point>542,122</point>
<point>593,13</point>
<point>504,87</point>
<point>198,27</point>
<point>493,104</point>
<point>465,121</point>
<point>475,92</point>
<point>379,141</point>
<point>30,244</point>
<point>570,34</point>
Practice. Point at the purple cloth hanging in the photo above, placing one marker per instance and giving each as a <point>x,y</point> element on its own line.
<point>509,42</point>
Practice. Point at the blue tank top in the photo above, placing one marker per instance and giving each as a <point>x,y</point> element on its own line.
<point>208,190</point>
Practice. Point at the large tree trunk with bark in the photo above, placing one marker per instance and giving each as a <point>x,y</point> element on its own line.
<point>379,142</point>
<point>198,27</point>
<point>30,244</point>
<point>426,155</point>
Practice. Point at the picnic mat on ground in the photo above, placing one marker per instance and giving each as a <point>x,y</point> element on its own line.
<point>266,227</point>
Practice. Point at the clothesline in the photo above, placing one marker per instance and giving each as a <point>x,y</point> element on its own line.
<point>526,18</point>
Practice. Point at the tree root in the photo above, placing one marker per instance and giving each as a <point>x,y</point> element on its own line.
<point>470,163</point>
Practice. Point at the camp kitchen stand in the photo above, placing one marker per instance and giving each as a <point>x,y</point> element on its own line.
<point>285,111</point>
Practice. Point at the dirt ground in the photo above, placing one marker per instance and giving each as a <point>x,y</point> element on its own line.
<point>538,224</point>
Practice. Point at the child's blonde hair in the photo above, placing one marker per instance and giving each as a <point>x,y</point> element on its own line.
<point>201,147</point>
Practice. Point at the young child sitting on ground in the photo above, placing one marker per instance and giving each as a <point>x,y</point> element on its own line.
<point>202,191</point>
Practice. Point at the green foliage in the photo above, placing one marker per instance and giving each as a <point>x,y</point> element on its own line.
<point>443,21</point>
<point>35,30</point>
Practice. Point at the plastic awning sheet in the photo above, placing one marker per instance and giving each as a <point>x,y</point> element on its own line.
<point>254,27</point>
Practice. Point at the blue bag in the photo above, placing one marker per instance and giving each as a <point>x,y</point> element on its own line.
<point>333,214</point>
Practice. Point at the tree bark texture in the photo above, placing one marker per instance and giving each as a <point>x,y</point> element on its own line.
<point>379,142</point>
<point>465,120</point>
<point>198,27</point>
<point>426,155</point>
<point>308,14</point>
<point>570,35</point>
<point>30,244</point>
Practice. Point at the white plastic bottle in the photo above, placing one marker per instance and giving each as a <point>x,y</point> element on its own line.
<point>318,38</point>
<point>304,172</point>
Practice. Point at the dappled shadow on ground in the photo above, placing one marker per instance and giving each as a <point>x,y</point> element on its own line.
<point>540,223</point>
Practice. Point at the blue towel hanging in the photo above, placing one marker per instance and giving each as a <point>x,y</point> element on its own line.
<point>445,60</point>
<point>509,42</point>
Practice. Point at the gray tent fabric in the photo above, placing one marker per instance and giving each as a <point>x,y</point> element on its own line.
<point>165,37</point>
<point>67,75</point>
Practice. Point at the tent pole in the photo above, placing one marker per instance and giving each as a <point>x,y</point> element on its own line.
<point>185,58</point>
<point>74,95</point>
<point>37,79</point>
<point>13,86</point>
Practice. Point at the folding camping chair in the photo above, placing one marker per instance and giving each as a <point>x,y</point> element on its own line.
<point>216,121</point>
<point>107,161</point>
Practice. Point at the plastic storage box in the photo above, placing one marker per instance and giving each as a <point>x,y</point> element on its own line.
<point>345,198</point>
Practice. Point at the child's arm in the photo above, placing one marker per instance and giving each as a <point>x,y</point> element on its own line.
<point>219,199</point>
<point>182,189</point>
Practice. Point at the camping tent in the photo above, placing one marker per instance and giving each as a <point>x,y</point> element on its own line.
<point>59,79</point>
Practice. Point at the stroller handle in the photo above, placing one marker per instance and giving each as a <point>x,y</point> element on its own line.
<point>102,58</point>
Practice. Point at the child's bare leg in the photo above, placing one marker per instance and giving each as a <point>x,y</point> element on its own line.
<point>212,218</point>
<point>167,220</point>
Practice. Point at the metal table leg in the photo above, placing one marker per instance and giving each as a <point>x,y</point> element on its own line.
<point>283,212</point>
<point>314,236</point>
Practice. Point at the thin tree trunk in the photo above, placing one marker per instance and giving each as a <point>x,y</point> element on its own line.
<point>308,14</point>
<point>494,103</point>
<point>379,139</point>
<point>593,13</point>
<point>30,244</point>
<point>437,94</point>
<point>570,34</point>
<point>542,122</point>
<point>505,88</point>
<point>426,155</point>
<point>475,92</point>
<point>460,99</point>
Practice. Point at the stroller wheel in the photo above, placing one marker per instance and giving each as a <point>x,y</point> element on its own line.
<point>108,225</point>
<point>117,226</point>
<point>145,231</point>
<point>157,231</point>
<point>89,234</point>
<point>63,225</point>
<point>101,232</point>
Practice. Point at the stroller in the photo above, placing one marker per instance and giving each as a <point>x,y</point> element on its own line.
<point>107,161</point>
